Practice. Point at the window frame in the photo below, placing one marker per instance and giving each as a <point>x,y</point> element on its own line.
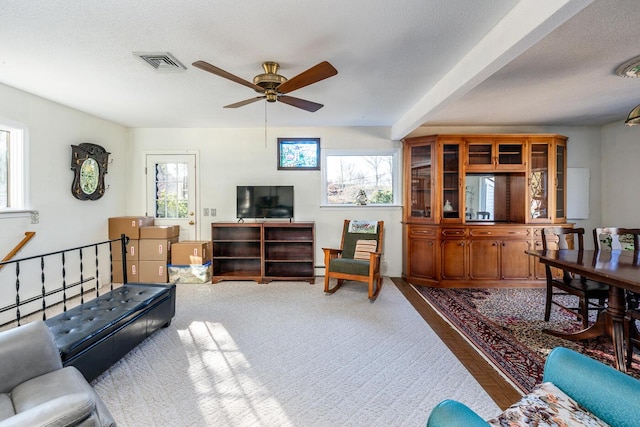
<point>18,185</point>
<point>396,175</point>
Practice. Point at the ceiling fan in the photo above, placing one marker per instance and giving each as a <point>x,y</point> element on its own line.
<point>274,86</point>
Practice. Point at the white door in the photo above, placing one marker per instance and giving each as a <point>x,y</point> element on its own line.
<point>171,192</point>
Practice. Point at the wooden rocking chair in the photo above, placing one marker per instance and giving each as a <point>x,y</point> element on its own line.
<point>358,258</point>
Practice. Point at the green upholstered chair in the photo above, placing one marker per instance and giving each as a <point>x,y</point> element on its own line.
<point>358,258</point>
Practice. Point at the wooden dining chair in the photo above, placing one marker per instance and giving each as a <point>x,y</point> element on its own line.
<point>586,290</point>
<point>625,239</point>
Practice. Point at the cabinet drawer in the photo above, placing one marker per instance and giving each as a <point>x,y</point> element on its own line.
<point>453,232</point>
<point>422,231</point>
<point>515,232</point>
<point>537,231</point>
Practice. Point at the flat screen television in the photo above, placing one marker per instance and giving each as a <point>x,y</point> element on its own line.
<point>264,201</point>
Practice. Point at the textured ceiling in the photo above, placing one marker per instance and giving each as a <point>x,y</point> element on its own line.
<point>403,64</point>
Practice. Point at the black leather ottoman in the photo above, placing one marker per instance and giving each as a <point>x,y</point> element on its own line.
<point>94,335</point>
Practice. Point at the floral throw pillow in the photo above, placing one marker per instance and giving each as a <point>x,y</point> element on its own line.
<point>546,405</point>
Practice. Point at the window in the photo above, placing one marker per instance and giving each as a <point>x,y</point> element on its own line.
<point>172,195</point>
<point>12,168</point>
<point>348,173</point>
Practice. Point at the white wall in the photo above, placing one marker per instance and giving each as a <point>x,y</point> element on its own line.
<point>621,183</point>
<point>583,151</point>
<point>230,157</point>
<point>64,221</point>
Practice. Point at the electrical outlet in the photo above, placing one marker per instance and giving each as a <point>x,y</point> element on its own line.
<point>213,212</point>
<point>205,211</point>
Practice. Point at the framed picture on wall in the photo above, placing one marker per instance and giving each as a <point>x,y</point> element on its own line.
<point>298,153</point>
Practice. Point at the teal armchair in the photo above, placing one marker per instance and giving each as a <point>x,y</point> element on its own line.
<point>610,395</point>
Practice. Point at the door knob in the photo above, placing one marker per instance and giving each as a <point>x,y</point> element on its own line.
<point>191,222</point>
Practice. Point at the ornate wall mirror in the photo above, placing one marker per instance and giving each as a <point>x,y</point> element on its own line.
<point>89,164</point>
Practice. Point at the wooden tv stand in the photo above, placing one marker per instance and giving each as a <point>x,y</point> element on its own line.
<point>263,251</point>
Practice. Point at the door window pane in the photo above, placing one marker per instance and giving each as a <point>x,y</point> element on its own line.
<point>171,190</point>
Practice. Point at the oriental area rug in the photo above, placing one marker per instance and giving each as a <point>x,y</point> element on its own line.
<point>506,326</point>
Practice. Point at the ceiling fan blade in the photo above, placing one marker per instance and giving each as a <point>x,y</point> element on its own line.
<point>245,102</point>
<point>222,73</point>
<point>314,74</point>
<point>300,103</point>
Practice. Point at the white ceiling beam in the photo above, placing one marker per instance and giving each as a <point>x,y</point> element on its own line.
<point>526,24</point>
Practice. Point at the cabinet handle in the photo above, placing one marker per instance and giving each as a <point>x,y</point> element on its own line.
<point>494,244</point>
<point>461,243</point>
<point>430,243</point>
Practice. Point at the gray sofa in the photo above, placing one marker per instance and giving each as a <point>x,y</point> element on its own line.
<point>36,390</point>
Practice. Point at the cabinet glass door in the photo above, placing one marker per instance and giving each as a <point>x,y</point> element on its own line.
<point>561,182</point>
<point>421,182</point>
<point>539,182</point>
<point>480,156</point>
<point>510,154</point>
<point>451,181</point>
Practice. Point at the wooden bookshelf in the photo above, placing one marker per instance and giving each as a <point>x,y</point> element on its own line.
<point>263,252</point>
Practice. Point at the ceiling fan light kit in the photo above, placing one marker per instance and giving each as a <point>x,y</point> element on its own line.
<point>274,86</point>
<point>634,117</point>
<point>631,69</point>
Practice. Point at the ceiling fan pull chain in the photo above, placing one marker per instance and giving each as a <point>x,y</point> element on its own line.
<point>265,125</point>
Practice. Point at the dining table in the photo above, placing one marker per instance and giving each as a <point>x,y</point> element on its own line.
<point>616,268</point>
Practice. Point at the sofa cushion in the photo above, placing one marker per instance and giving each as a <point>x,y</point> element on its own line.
<point>70,410</point>
<point>44,388</point>
<point>6,406</point>
<point>546,405</point>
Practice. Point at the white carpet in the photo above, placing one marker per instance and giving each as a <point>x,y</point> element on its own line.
<point>286,354</point>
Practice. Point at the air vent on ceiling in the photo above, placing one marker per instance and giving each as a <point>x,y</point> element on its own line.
<point>161,61</point>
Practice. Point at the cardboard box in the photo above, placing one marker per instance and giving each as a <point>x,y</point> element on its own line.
<point>159,231</point>
<point>132,272</point>
<point>191,252</point>
<point>132,250</point>
<point>128,225</point>
<point>153,272</point>
<point>156,249</point>
<point>189,273</point>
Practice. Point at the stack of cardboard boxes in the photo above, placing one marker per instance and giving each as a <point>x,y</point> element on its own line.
<point>155,255</point>
<point>191,262</point>
<point>155,251</point>
<point>130,227</point>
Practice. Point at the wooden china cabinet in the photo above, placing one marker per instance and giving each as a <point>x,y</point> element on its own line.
<point>475,203</point>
